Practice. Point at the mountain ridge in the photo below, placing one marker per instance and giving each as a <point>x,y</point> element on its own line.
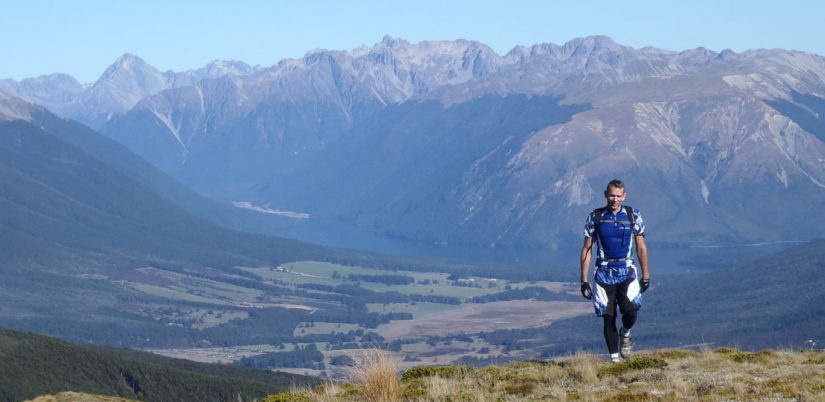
<point>661,116</point>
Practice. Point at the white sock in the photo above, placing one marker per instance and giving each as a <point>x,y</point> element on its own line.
<point>615,357</point>
<point>624,332</point>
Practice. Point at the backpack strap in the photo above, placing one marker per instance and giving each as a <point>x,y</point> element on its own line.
<point>597,217</point>
<point>630,216</point>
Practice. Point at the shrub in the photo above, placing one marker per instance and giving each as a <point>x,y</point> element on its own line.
<point>638,363</point>
<point>431,371</point>
<point>674,353</point>
<point>745,357</point>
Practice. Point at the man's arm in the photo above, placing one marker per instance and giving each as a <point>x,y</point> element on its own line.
<point>641,252</point>
<point>585,258</point>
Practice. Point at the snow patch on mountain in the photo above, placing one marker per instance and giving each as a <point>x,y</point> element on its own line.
<point>579,193</point>
<point>266,209</point>
<point>174,129</point>
<point>703,188</point>
<point>782,176</point>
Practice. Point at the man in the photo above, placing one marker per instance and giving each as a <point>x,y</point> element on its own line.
<point>615,229</point>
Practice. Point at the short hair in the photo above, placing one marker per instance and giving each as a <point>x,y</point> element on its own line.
<point>616,183</point>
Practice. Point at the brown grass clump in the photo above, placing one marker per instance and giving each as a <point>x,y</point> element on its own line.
<point>583,368</point>
<point>377,372</point>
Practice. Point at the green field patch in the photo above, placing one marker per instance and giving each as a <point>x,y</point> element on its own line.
<point>323,273</point>
<point>418,310</point>
<point>210,290</point>
<point>202,319</point>
<point>197,318</point>
<point>327,270</point>
<point>314,328</point>
<point>552,286</point>
<point>440,289</point>
<point>175,293</point>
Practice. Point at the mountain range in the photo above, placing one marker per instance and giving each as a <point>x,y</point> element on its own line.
<point>437,141</point>
<point>450,142</point>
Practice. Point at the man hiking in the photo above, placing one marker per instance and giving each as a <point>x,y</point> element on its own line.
<point>615,228</point>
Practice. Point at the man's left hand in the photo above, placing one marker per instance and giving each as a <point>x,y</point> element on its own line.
<point>645,284</point>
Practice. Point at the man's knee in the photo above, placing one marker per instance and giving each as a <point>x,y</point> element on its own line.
<point>628,309</point>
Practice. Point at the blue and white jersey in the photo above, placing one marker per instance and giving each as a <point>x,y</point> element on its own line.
<point>614,244</point>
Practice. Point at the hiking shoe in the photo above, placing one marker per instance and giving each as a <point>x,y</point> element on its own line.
<point>627,344</point>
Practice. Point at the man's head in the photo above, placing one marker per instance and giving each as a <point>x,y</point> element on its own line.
<point>615,194</point>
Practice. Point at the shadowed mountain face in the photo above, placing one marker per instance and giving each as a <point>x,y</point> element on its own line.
<point>451,142</point>
<point>74,228</point>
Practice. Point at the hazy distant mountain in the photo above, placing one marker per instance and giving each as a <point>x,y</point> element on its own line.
<point>128,80</point>
<point>389,136</point>
<point>56,92</point>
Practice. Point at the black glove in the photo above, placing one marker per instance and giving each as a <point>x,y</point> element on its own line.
<point>586,292</point>
<point>645,284</point>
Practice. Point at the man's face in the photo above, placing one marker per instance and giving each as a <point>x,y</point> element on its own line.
<point>615,197</point>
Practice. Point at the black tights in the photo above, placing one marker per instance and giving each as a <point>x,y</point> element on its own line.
<point>611,334</point>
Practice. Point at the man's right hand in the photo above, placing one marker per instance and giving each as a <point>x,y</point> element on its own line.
<point>586,291</point>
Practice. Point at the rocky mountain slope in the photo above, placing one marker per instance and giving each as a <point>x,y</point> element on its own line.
<point>387,137</point>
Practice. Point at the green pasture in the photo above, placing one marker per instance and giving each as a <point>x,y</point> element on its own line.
<point>418,310</point>
<point>306,272</point>
<point>189,288</point>
<point>324,328</point>
<point>176,293</point>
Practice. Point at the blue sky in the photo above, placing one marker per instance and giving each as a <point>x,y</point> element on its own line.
<point>82,38</point>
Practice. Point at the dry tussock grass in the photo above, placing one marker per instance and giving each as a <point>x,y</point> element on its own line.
<point>663,375</point>
<point>377,371</point>
<point>583,368</point>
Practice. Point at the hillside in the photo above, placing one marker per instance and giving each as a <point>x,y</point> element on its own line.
<point>80,217</point>
<point>660,375</point>
<point>32,365</point>
<point>98,246</point>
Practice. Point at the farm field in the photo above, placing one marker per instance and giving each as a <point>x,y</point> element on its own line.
<point>339,310</point>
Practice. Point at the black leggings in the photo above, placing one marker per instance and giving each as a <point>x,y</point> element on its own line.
<point>611,334</point>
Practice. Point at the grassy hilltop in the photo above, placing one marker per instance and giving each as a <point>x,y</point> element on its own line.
<point>662,375</point>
